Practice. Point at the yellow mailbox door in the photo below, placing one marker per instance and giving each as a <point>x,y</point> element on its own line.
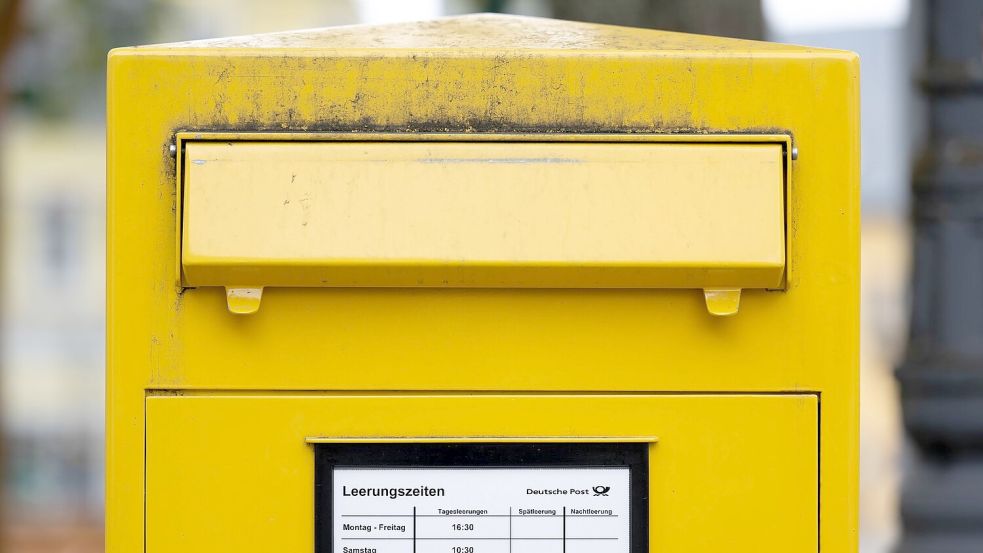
<point>485,284</point>
<point>717,473</point>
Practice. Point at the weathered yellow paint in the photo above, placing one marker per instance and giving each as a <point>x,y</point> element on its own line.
<point>734,398</point>
<point>474,214</point>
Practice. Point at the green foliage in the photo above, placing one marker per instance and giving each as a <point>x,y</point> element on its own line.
<point>58,66</point>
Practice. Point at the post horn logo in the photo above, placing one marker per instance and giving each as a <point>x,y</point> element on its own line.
<point>601,490</point>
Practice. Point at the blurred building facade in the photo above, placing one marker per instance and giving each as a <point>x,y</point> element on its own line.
<point>52,348</point>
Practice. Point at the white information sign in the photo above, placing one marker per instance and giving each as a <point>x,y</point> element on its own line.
<point>481,510</point>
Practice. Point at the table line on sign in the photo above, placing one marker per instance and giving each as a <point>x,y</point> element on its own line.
<point>478,516</point>
<point>458,538</point>
<point>415,537</point>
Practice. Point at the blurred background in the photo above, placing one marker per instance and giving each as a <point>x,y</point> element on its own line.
<point>52,254</point>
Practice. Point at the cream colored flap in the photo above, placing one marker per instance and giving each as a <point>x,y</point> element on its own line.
<point>483,214</point>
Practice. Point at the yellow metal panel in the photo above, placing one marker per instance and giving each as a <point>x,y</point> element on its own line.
<point>483,214</point>
<point>729,473</point>
<point>536,78</point>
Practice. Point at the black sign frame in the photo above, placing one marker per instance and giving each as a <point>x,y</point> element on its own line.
<point>328,456</point>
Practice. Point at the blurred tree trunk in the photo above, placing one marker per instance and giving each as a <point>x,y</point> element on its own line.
<point>730,18</point>
<point>9,11</point>
<point>9,20</point>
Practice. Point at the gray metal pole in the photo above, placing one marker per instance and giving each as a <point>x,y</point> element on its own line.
<point>942,375</point>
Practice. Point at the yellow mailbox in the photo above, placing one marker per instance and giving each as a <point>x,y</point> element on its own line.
<point>483,284</point>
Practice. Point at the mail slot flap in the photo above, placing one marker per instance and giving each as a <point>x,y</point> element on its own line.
<point>483,214</point>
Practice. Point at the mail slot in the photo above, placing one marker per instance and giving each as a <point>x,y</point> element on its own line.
<point>484,284</point>
<point>472,214</point>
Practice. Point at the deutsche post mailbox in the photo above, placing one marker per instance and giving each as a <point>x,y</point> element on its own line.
<point>481,285</point>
